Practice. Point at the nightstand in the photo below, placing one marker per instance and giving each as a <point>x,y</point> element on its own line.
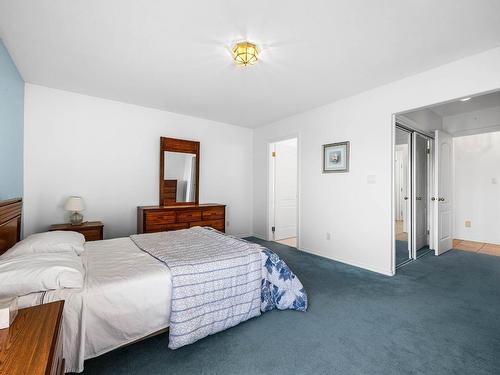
<point>92,230</point>
<point>33,343</point>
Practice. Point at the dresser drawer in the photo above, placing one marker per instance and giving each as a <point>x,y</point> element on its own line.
<point>216,224</point>
<point>160,217</point>
<point>152,228</point>
<point>92,234</point>
<point>188,216</point>
<point>214,213</point>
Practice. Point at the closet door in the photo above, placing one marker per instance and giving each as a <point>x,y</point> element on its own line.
<point>420,196</point>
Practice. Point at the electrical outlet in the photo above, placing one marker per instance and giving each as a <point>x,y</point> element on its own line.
<point>467,224</point>
<point>328,236</point>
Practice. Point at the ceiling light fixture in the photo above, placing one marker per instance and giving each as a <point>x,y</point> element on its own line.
<point>245,53</point>
<point>465,99</point>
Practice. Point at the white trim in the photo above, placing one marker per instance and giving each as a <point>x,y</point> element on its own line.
<point>361,265</point>
<point>431,192</point>
<point>412,125</point>
<point>393,196</point>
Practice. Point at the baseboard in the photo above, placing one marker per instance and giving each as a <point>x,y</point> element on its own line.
<point>386,272</point>
<point>350,263</point>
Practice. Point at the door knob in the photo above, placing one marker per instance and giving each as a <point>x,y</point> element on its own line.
<point>441,199</point>
<point>433,199</point>
<point>406,198</point>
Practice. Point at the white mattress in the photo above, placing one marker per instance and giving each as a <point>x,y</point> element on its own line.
<point>127,295</point>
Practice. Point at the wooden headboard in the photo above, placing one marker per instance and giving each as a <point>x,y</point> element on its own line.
<point>10,223</point>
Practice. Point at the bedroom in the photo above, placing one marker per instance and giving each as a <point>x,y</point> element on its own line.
<point>89,88</point>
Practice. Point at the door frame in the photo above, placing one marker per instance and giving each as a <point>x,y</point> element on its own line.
<point>270,185</point>
<point>399,120</point>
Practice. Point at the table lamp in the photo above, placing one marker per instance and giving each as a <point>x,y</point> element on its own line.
<point>75,205</point>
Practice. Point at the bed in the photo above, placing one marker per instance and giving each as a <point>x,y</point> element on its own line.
<point>137,286</point>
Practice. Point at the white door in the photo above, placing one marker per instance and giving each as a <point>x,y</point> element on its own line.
<point>420,145</point>
<point>443,217</point>
<point>285,189</point>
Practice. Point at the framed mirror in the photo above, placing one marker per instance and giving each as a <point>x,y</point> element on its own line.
<point>179,171</point>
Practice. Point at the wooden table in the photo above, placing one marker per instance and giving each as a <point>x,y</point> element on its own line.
<point>92,230</point>
<point>33,343</point>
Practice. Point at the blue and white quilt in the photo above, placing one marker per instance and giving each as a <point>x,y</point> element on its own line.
<point>280,287</point>
<point>219,281</point>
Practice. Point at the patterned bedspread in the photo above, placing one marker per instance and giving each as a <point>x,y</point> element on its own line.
<point>219,281</point>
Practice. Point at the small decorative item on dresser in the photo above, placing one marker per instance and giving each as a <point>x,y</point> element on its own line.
<point>92,230</point>
<point>75,205</point>
<point>33,344</point>
<point>8,311</point>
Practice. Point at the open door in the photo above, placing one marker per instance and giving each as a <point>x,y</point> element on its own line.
<point>443,199</point>
<point>285,189</point>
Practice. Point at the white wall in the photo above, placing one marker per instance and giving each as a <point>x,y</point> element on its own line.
<point>355,210</point>
<point>476,122</point>
<point>477,187</point>
<point>108,152</point>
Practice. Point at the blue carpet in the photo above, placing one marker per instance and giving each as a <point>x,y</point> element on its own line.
<point>438,315</point>
<point>401,252</point>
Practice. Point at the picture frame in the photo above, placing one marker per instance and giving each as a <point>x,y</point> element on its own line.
<point>336,157</point>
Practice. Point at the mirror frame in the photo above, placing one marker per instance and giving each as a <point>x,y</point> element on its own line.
<point>186,147</point>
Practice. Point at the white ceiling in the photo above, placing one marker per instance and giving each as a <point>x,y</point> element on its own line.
<point>476,103</point>
<point>173,55</point>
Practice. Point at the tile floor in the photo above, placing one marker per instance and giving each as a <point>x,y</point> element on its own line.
<point>401,235</point>
<point>289,241</point>
<point>477,247</point>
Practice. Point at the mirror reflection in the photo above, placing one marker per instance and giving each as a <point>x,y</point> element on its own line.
<point>180,173</point>
<point>402,173</point>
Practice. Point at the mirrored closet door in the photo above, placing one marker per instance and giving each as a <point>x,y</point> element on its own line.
<point>421,147</point>
<point>402,193</point>
<point>412,192</point>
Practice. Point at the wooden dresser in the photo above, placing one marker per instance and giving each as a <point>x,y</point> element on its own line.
<point>33,343</point>
<point>166,218</point>
<point>10,223</point>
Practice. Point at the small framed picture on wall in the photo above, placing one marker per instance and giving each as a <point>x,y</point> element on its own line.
<point>336,157</point>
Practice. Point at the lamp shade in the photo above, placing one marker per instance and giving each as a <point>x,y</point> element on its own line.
<point>74,204</point>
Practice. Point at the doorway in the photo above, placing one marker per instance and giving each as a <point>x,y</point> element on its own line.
<point>283,160</point>
<point>459,207</point>
<point>412,191</point>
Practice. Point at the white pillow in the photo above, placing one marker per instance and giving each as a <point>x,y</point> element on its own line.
<point>49,242</point>
<point>31,273</point>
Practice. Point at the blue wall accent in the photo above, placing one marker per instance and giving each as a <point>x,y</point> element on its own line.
<point>11,127</point>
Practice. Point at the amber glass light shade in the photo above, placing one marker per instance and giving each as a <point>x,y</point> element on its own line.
<point>245,53</point>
